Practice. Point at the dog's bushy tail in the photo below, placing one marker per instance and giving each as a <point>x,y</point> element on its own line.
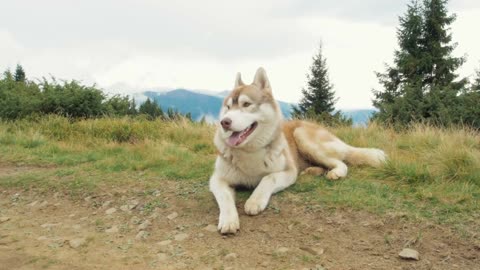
<point>366,156</point>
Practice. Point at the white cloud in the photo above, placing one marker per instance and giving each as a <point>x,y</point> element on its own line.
<point>127,45</point>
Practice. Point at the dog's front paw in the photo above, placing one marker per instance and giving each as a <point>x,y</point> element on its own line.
<point>255,206</point>
<point>228,224</point>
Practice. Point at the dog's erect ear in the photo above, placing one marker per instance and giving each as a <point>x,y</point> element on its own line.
<point>238,80</point>
<point>261,79</point>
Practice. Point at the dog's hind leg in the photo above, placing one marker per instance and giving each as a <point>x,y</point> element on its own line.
<point>228,221</point>
<point>322,148</point>
<point>269,185</point>
<point>315,171</point>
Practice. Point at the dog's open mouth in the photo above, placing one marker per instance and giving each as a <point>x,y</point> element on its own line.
<point>238,137</point>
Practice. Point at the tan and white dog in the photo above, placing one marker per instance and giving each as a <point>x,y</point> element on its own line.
<point>258,149</point>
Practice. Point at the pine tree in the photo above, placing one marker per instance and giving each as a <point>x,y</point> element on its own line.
<point>421,85</point>
<point>440,65</point>
<point>151,109</point>
<point>409,37</point>
<point>318,97</point>
<point>476,82</point>
<point>19,74</point>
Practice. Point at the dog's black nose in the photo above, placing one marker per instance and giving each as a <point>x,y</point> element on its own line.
<point>226,123</point>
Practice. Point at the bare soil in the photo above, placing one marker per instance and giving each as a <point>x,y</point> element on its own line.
<point>43,228</point>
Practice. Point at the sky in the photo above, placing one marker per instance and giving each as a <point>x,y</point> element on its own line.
<point>130,46</point>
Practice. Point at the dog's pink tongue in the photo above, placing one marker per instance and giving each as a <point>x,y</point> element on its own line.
<point>234,139</point>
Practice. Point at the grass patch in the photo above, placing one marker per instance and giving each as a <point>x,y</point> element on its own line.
<point>431,173</point>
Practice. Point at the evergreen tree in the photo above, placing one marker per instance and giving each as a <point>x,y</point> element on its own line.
<point>421,85</point>
<point>318,101</point>
<point>440,65</point>
<point>188,116</point>
<point>19,74</point>
<point>18,100</point>
<point>476,82</point>
<point>469,100</point>
<point>151,109</point>
<point>173,114</point>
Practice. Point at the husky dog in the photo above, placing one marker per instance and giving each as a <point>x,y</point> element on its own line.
<point>258,149</point>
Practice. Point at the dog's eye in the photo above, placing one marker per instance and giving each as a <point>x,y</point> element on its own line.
<point>228,107</point>
<point>246,104</point>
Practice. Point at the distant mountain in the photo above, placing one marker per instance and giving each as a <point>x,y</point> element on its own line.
<point>198,104</point>
<point>208,104</point>
<point>359,117</point>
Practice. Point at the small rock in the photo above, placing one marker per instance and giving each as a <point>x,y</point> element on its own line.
<point>409,254</point>
<point>88,199</point>
<point>164,243</point>
<point>282,250</point>
<point>111,211</point>
<point>129,206</point>
<point>43,204</point>
<point>15,197</point>
<point>162,256</point>
<point>290,227</point>
<point>113,229</point>
<point>144,225</point>
<point>181,237</point>
<point>132,204</point>
<point>49,225</point>
<point>231,256</point>
<point>106,204</point>
<point>77,242</point>
<point>153,216</point>
<point>313,250</point>
<point>156,193</point>
<point>211,228</point>
<point>4,219</point>
<point>135,220</point>
<point>172,216</point>
<point>32,204</point>
<point>141,235</point>
<point>200,235</point>
<point>71,215</point>
<point>42,238</point>
<point>76,227</point>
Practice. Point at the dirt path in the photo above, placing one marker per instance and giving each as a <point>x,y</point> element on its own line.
<point>41,230</point>
<point>173,228</point>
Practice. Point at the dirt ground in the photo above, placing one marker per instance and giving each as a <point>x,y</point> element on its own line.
<point>174,228</point>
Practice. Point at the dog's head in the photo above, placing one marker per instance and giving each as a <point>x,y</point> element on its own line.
<point>250,116</point>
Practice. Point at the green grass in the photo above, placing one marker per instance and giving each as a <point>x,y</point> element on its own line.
<point>432,173</point>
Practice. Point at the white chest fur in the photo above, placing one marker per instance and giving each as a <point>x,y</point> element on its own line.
<point>248,168</point>
<point>258,163</point>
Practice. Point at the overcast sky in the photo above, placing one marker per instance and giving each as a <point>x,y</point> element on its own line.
<point>124,46</point>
